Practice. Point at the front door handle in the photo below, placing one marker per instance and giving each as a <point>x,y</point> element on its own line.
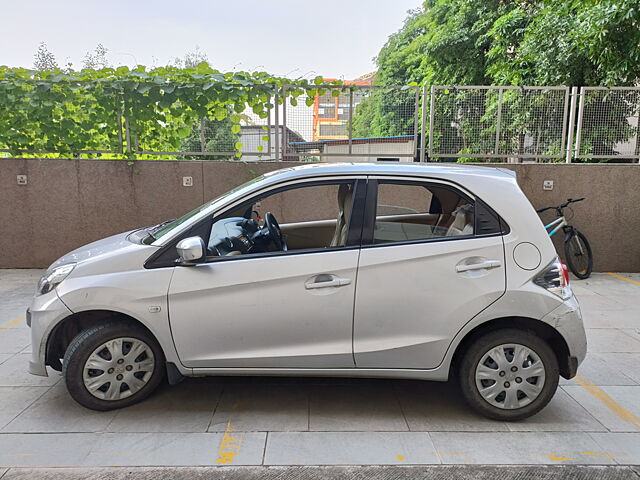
<point>334,282</point>
<point>486,265</point>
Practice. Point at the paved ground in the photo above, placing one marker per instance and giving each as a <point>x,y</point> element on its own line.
<point>594,419</point>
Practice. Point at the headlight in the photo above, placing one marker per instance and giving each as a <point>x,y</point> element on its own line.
<point>52,279</point>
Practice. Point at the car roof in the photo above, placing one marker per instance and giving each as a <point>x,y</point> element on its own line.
<point>448,170</point>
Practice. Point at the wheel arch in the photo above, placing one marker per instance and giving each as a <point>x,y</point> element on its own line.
<point>66,330</point>
<point>539,328</point>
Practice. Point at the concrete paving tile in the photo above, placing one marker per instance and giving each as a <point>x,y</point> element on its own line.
<point>627,363</point>
<point>617,407</point>
<point>142,449</point>
<point>623,447</point>
<point>562,414</point>
<point>349,408</point>
<point>12,340</point>
<point>5,356</point>
<point>13,373</point>
<point>349,448</point>
<point>601,372</point>
<point>3,471</point>
<point>186,407</point>
<point>55,411</point>
<point>605,318</point>
<point>604,340</point>
<point>608,285</point>
<point>435,406</point>
<point>600,302</point>
<point>15,400</point>
<point>558,448</point>
<point>44,450</point>
<point>273,408</point>
<point>633,332</point>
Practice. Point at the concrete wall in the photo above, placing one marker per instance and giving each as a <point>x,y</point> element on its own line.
<point>68,203</point>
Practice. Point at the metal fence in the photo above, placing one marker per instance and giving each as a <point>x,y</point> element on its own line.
<point>405,123</point>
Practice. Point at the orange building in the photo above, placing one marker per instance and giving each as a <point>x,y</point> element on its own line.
<point>331,114</point>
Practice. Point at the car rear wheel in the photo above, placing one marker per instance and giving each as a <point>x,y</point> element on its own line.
<point>509,375</point>
<point>112,366</point>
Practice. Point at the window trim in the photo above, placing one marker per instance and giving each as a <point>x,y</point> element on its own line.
<point>371,207</point>
<point>354,235</point>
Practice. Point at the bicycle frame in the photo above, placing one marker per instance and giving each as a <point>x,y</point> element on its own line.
<point>558,223</point>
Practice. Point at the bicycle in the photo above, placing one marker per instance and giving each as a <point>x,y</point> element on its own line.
<point>576,247</point>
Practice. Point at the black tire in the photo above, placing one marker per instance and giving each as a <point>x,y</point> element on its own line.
<point>579,260</point>
<point>476,351</point>
<point>86,342</point>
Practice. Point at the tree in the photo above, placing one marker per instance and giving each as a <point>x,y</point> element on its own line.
<point>516,42</point>
<point>43,59</point>
<point>191,59</point>
<point>96,59</point>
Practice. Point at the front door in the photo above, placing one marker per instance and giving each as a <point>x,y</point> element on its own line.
<point>274,309</point>
<point>424,272</point>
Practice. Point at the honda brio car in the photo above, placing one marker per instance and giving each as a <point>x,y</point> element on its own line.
<point>407,271</point>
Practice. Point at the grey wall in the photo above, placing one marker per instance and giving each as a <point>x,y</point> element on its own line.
<point>68,203</point>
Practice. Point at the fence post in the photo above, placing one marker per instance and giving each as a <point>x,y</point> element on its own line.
<point>277,129</point>
<point>121,149</point>
<point>571,126</point>
<point>579,127</point>
<point>350,120</point>
<point>496,148</point>
<point>432,109</point>
<point>202,139</point>
<point>283,154</point>
<point>127,134</point>
<point>269,130</point>
<point>416,120</point>
<point>423,127</point>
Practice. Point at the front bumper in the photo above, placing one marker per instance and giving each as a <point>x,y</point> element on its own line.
<point>567,320</point>
<point>44,314</point>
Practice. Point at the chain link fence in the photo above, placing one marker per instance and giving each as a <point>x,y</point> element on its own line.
<point>480,122</point>
<point>370,123</point>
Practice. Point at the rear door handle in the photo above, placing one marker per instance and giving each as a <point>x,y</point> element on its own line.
<point>486,265</point>
<point>334,282</point>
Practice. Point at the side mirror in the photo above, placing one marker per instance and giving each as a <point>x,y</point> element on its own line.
<point>191,251</point>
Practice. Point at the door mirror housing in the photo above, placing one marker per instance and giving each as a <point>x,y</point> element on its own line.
<point>191,251</point>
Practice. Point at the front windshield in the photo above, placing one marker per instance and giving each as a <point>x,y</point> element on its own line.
<point>165,229</point>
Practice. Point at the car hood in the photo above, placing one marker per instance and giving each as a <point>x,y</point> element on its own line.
<point>95,249</point>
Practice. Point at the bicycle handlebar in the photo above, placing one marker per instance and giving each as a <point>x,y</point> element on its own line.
<point>558,208</point>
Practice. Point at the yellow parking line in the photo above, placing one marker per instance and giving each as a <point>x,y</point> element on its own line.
<point>622,278</point>
<point>12,323</point>
<point>607,401</point>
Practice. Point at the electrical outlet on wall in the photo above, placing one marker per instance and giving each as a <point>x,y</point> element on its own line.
<point>187,181</point>
<point>547,185</point>
<point>22,179</point>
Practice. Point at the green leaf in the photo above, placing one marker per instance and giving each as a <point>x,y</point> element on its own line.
<point>235,128</point>
<point>265,138</point>
<point>260,148</point>
<point>235,118</point>
<point>309,101</point>
<point>294,102</point>
<point>238,145</point>
<point>220,113</point>
<point>318,81</point>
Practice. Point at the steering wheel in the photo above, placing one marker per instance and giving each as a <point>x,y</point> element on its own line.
<point>275,233</point>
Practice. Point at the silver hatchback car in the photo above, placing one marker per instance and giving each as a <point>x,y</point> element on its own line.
<point>362,270</point>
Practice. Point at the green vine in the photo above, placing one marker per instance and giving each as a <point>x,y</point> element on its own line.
<point>117,113</point>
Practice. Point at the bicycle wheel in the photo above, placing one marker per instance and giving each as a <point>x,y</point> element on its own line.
<point>578,254</point>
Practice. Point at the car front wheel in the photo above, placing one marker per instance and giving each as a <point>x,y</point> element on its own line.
<point>509,375</point>
<point>112,366</point>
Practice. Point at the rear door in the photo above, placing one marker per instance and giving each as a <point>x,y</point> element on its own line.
<point>420,281</point>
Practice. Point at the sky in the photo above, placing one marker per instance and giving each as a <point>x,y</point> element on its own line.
<point>332,38</point>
